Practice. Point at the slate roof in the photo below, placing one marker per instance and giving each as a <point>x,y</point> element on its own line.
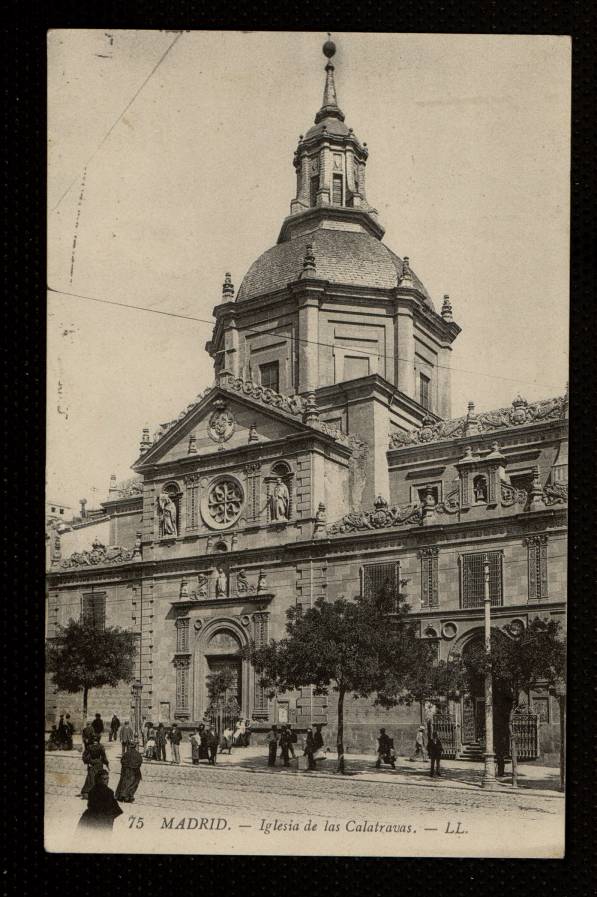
<point>343,257</point>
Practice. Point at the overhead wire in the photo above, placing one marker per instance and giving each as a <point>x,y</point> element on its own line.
<point>252,331</point>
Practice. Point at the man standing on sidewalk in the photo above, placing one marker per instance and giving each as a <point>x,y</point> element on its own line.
<point>272,745</point>
<point>114,727</point>
<point>285,745</point>
<point>435,750</point>
<point>98,726</point>
<point>175,737</point>
<point>127,736</point>
<point>160,742</point>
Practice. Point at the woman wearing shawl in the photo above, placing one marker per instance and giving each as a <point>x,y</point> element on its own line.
<point>94,757</point>
<point>102,808</point>
<point>130,775</point>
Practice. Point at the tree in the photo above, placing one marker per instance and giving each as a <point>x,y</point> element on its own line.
<point>362,647</point>
<point>519,664</point>
<point>220,701</point>
<point>83,656</point>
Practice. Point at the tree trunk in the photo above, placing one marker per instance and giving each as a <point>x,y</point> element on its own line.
<point>340,735</point>
<point>513,748</point>
<point>85,696</point>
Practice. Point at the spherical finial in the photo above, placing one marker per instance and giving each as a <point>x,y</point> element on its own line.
<point>329,48</point>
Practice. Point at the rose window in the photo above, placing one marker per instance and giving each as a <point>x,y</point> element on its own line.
<point>224,502</point>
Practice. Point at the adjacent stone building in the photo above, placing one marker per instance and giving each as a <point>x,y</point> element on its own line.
<point>323,461</point>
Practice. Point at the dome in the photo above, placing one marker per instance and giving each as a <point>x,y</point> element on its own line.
<point>342,257</point>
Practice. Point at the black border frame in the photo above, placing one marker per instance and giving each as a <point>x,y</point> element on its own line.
<point>27,869</point>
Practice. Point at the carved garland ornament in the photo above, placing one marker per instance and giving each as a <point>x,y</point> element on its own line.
<point>99,554</point>
<point>381,517</point>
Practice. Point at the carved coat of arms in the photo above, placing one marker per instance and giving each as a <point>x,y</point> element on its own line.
<point>221,424</point>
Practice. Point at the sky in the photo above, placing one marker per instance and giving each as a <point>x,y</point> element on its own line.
<point>170,163</point>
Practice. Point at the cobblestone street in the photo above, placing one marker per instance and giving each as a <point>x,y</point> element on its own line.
<point>327,814</point>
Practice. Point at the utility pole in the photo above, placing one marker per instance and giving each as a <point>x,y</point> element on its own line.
<point>489,782</point>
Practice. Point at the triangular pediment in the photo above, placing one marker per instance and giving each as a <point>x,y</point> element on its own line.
<point>221,421</point>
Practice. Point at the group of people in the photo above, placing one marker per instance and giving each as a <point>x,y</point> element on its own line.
<point>61,735</point>
<point>285,739</point>
<point>433,749</point>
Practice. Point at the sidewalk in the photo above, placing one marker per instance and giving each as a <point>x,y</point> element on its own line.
<point>361,767</point>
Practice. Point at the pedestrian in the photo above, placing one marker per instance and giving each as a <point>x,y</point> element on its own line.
<point>247,735</point>
<point>70,731</point>
<point>147,726</point>
<point>102,807</point>
<point>292,740</point>
<point>54,743</point>
<point>127,736</point>
<point>435,750</point>
<point>385,750</point>
<point>204,746</point>
<point>98,726</point>
<point>272,745</point>
<point>175,737</point>
<point>212,745</point>
<point>284,745</point>
<point>87,734</point>
<point>195,740</point>
<point>114,727</point>
<point>160,742</point>
<point>94,758</point>
<point>130,774</point>
<point>309,749</point>
<point>227,740</point>
<point>150,745</point>
<point>239,733</point>
<point>420,744</point>
<point>61,733</point>
<point>318,737</point>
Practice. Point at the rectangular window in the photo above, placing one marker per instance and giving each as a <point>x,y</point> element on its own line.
<point>269,375</point>
<point>473,579</point>
<point>356,366</point>
<point>337,190</point>
<point>314,186</point>
<point>429,577</point>
<point>94,610</point>
<point>540,706</point>
<point>376,578</point>
<point>537,562</point>
<point>424,390</point>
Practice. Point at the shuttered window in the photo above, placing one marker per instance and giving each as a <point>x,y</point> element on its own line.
<point>94,610</point>
<point>473,579</point>
<point>377,578</point>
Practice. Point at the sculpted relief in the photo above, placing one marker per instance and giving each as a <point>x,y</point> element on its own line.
<point>167,514</point>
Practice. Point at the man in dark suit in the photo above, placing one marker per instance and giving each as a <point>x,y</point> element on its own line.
<point>435,750</point>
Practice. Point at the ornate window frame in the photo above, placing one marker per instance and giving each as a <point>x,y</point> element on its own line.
<point>204,504</point>
<point>429,576</point>
<point>537,566</point>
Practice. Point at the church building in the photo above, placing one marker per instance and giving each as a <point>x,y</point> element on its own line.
<point>323,461</point>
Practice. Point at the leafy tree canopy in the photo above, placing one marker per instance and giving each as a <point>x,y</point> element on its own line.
<point>83,657</point>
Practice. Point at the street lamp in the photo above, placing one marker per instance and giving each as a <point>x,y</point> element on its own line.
<point>136,689</point>
<point>489,772</point>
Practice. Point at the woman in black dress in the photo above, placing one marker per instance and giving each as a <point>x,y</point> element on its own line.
<point>102,807</point>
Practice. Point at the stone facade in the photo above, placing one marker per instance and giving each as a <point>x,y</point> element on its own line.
<point>323,456</point>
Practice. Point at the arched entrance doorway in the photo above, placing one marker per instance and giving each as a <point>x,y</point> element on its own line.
<point>219,650</point>
<point>473,702</point>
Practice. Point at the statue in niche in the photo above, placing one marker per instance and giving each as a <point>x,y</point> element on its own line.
<point>221,583</point>
<point>202,586</point>
<point>166,515</point>
<point>480,489</point>
<point>280,500</point>
<point>242,583</point>
<point>262,582</point>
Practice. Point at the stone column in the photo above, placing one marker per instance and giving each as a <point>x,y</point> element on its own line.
<point>325,177</point>
<point>404,343</point>
<point>308,349</point>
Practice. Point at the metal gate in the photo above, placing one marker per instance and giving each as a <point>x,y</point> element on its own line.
<point>445,727</point>
<point>526,731</point>
<point>221,719</point>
